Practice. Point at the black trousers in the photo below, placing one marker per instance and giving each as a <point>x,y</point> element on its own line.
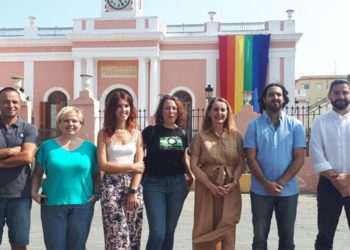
<point>329,205</point>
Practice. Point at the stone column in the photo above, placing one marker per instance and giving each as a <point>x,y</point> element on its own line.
<point>90,69</point>
<point>89,106</point>
<point>77,78</point>
<point>142,95</point>
<point>154,85</point>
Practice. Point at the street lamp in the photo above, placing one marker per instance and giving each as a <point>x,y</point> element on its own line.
<point>209,92</point>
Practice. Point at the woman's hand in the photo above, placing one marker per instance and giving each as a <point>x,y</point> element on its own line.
<point>132,201</point>
<point>218,191</point>
<point>39,198</point>
<point>95,197</point>
<point>138,167</point>
<point>221,191</point>
<point>190,180</point>
<point>230,186</point>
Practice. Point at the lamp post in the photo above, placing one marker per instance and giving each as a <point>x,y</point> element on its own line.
<point>209,92</point>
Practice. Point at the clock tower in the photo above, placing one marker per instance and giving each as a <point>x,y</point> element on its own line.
<point>121,8</point>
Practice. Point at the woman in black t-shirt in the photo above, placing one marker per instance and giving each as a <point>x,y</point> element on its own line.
<point>164,183</point>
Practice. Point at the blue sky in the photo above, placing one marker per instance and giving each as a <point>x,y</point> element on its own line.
<point>323,48</point>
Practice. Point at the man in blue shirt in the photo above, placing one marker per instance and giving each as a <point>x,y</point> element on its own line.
<point>274,144</point>
<point>17,148</point>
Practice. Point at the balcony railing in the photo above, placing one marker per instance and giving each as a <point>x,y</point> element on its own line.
<point>11,32</point>
<point>55,31</point>
<point>172,29</point>
<point>242,27</point>
<point>224,27</point>
<point>186,28</point>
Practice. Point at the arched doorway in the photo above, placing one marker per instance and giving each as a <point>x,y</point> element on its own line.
<point>48,111</point>
<point>187,102</point>
<point>116,90</point>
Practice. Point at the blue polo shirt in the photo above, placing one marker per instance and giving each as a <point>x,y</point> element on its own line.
<point>275,147</point>
<point>15,182</point>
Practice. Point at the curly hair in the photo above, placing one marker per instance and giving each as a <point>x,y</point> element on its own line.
<point>264,93</point>
<point>110,118</point>
<point>229,124</point>
<point>181,112</point>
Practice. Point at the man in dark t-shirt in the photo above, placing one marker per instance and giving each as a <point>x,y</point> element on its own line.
<point>18,141</point>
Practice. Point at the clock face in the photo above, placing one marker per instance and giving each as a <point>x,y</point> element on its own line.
<point>118,4</point>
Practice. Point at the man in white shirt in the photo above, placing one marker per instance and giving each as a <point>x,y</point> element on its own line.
<point>330,155</point>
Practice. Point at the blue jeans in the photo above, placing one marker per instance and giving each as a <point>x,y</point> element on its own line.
<point>16,213</point>
<point>66,226</point>
<point>285,208</point>
<point>163,199</point>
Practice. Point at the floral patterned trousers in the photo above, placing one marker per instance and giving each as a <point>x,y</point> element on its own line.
<point>122,227</point>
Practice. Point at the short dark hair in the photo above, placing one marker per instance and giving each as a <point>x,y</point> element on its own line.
<point>264,93</point>
<point>8,89</point>
<point>181,112</point>
<point>336,82</point>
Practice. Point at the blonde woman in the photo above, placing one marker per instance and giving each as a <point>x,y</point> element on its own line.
<point>71,185</point>
<point>217,163</point>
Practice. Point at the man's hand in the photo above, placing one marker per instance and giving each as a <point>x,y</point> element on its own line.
<point>345,191</point>
<point>15,150</point>
<point>341,180</point>
<point>342,184</point>
<point>273,188</point>
<point>8,152</point>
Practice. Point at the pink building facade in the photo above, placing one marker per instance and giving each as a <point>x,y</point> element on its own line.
<point>141,55</point>
<point>126,50</point>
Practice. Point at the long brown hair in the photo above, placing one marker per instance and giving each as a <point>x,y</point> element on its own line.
<point>229,124</point>
<point>110,118</point>
<point>181,112</point>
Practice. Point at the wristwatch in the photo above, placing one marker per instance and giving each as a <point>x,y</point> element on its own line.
<point>132,190</point>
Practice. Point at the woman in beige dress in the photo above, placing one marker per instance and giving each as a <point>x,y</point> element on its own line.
<point>217,163</point>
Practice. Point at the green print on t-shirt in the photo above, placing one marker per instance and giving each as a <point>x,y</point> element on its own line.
<point>170,143</point>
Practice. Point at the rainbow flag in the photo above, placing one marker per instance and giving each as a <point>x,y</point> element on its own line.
<point>243,63</point>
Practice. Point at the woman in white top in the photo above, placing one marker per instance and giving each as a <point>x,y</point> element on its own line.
<point>120,156</point>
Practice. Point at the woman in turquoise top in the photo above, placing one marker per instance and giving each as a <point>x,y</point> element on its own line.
<point>70,188</point>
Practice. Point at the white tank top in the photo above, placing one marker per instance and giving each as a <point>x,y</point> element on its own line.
<point>122,153</point>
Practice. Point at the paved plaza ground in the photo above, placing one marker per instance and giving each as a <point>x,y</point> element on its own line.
<point>305,232</point>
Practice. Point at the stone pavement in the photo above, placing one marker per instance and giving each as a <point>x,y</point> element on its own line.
<point>305,232</point>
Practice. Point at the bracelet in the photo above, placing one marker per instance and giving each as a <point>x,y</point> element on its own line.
<point>235,182</point>
<point>132,190</point>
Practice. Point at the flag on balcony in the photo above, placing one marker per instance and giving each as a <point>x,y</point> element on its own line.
<point>243,67</point>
